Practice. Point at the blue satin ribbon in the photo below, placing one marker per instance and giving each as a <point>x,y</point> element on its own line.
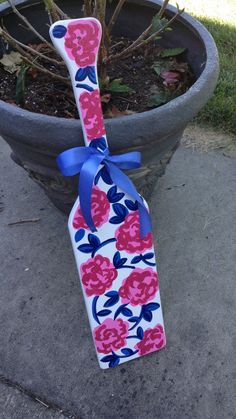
<point>86,160</point>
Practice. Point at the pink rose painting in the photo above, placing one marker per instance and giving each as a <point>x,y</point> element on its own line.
<point>100,209</point>
<point>82,42</point>
<point>97,275</point>
<point>139,287</point>
<point>90,106</point>
<point>153,339</point>
<point>128,235</point>
<point>110,335</point>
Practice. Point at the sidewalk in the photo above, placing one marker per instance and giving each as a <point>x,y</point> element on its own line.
<point>16,405</point>
<point>45,341</point>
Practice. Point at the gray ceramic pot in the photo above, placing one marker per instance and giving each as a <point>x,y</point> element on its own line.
<point>37,139</point>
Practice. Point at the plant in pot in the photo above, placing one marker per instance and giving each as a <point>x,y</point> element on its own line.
<point>157,68</point>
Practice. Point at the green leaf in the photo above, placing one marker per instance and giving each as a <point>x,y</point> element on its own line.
<point>20,85</point>
<point>160,66</point>
<point>160,98</point>
<point>103,83</point>
<point>171,52</point>
<point>158,24</point>
<point>116,86</point>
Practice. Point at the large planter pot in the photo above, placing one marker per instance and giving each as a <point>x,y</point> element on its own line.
<point>37,139</point>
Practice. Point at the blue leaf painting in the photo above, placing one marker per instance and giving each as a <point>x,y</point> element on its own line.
<point>120,210</point>
<point>85,248</point>
<point>111,293</point>
<point>126,312</point>
<point>103,313</point>
<point>116,258</point>
<point>85,86</point>
<point>120,310</point>
<point>151,306</point>
<point>136,259</point>
<point>140,332</point>
<point>92,74</point>
<point>121,262</point>
<point>79,235</point>
<point>93,240</point>
<point>118,261</point>
<point>104,174</point>
<point>127,351</point>
<point>116,220</point>
<point>147,315</point>
<point>114,196</point>
<point>133,206</point>
<point>114,298</point>
<point>98,143</point>
<point>134,319</point>
<point>149,255</point>
<point>114,362</point>
<point>107,358</point>
<point>89,72</point>
<point>81,74</point>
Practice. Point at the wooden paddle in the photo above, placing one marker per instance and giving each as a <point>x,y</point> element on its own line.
<point>109,224</point>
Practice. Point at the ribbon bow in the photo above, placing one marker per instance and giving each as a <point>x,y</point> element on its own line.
<point>86,160</point>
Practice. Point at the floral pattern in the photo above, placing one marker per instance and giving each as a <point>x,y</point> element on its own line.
<point>82,41</point>
<point>100,208</point>
<point>90,105</point>
<point>117,268</point>
<point>128,235</point>
<point>153,340</point>
<point>111,335</point>
<point>97,275</point>
<point>139,287</point>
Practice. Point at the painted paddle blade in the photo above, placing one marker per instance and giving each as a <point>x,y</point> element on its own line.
<point>117,268</point>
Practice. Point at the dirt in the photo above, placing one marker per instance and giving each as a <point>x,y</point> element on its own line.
<point>48,96</point>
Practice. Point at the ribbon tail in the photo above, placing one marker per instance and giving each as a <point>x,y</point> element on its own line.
<point>146,226</point>
<point>86,180</point>
<point>124,183</point>
<point>131,160</point>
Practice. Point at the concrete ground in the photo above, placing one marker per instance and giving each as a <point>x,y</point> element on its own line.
<point>46,349</point>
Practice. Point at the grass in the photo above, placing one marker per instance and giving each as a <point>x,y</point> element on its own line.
<point>220,19</point>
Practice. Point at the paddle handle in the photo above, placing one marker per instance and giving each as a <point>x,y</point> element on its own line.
<point>78,41</point>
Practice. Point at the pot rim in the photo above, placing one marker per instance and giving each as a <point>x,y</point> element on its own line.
<point>185,19</point>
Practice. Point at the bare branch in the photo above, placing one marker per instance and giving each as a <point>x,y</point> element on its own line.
<point>29,59</point>
<point>115,15</point>
<point>9,38</point>
<point>141,41</point>
<point>100,14</point>
<point>48,72</point>
<point>28,24</point>
<point>100,11</point>
<point>116,45</point>
<point>52,12</point>
<point>163,8</point>
<point>88,9</point>
<point>61,12</point>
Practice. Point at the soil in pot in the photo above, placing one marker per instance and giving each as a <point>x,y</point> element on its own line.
<point>153,77</point>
